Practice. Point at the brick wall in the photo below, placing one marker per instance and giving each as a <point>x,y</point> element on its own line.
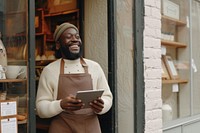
<point>152,66</point>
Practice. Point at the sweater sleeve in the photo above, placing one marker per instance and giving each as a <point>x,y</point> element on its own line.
<point>107,96</point>
<point>46,104</point>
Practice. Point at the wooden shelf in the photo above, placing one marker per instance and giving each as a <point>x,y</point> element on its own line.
<point>173,21</point>
<point>22,122</point>
<point>50,40</point>
<point>39,34</point>
<point>43,62</point>
<point>61,13</point>
<point>173,44</point>
<point>177,81</point>
<point>17,62</point>
<point>15,12</point>
<point>12,80</point>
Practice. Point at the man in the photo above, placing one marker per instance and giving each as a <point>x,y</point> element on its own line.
<point>60,81</point>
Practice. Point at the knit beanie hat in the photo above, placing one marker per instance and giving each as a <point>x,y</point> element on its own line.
<point>61,28</point>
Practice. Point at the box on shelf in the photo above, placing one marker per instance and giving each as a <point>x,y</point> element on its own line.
<point>56,6</point>
<point>170,9</point>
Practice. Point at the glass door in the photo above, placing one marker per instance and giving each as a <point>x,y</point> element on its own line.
<point>14,66</point>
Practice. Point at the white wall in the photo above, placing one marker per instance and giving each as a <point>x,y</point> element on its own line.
<point>96,37</point>
<point>152,66</point>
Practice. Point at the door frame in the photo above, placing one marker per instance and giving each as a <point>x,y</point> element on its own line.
<point>112,62</point>
<point>139,85</point>
<point>31,66</point>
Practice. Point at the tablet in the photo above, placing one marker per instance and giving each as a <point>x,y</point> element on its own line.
<point>88,96</point>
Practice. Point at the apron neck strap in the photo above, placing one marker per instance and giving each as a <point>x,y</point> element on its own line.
<point>62,66</point>
<point>84,65</point>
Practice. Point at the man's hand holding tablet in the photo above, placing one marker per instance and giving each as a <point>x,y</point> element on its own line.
<point>91,98</point>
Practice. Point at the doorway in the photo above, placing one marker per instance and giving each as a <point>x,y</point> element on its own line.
<point>99,46</point>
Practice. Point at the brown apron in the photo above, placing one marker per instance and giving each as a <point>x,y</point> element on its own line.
<point>82,121</point>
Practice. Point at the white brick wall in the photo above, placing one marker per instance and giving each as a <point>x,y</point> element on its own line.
<point>152,66</point>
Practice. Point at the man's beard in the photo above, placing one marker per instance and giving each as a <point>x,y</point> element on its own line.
<point>67,54</point>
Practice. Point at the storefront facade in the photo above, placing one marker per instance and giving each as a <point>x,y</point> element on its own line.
<point>130,39</point>
<point>118,40</point>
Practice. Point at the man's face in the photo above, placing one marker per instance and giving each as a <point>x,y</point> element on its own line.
<point>70,44</point>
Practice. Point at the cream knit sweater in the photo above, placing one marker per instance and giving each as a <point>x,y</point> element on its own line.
<point>46,104</point>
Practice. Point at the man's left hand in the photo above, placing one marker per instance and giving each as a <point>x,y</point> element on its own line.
<point>97,105</point>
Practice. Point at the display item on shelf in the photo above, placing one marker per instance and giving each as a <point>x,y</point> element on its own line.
<point>13,71</point>
<point>2,72</point>
<point>3,54</point>
<point>3,94</point>
<point>23,73</point>
<point>167,112</point>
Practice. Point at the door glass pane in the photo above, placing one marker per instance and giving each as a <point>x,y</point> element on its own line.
<point>125,65</point>
<point>13,26</point>
<point>195,11</point>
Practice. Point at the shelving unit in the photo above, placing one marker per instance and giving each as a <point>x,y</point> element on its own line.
<point>46,26</point>
<point>175,43</point>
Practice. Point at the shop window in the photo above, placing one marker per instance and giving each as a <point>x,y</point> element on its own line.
<point>180,56</point>
<point>14,87</point>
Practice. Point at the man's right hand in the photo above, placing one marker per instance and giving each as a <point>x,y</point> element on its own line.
<point>70,103</point>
